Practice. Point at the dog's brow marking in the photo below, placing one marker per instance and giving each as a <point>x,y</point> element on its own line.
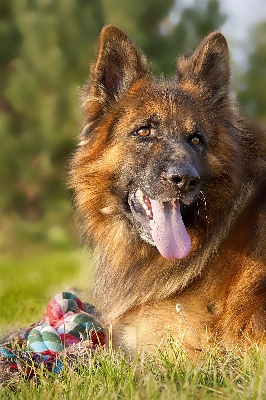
<point>190,125</point>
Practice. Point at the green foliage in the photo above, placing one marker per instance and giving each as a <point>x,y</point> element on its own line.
<point>39,118</point>
<point>252,94</point>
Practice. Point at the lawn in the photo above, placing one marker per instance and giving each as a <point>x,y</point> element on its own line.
<point>28,282</point>
<point>27,285</point>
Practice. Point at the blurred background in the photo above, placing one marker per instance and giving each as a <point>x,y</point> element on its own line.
<point>45,49</point>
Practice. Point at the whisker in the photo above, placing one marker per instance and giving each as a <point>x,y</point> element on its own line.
<point>203,198</point>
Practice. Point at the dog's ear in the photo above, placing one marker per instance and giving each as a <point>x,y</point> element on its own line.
<point>118,66</point>
<point>208,67</point>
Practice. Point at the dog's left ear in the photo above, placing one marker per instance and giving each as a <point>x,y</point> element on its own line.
<point>118,66</point>
<point>208,67</point>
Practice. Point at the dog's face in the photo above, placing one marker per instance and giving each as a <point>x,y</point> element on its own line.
<point>159,142</point>
<point>163,163</point>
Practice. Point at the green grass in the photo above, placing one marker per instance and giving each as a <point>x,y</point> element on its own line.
<point>29,282</point>
<point>27,285</point>
<point>111,375</point>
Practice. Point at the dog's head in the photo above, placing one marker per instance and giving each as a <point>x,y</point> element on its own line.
<point>151,149</point>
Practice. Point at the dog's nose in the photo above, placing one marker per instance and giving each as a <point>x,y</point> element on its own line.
<point>186,178</point>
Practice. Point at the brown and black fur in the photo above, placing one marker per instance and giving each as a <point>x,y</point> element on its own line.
<point>221,283</point>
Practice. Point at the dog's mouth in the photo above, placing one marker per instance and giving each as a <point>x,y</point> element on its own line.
<point>161,224</point>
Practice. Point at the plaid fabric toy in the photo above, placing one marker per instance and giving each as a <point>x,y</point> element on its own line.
<point>69,329</point>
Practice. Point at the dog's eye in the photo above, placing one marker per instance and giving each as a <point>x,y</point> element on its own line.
<point>144,131</point>
<point>195,140</point>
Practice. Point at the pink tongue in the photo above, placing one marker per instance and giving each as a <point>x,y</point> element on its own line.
<point>169,233</point>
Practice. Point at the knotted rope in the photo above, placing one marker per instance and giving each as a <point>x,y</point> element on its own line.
<point>68,328</point>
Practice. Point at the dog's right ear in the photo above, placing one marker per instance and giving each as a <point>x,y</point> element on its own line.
<point>118,66</point>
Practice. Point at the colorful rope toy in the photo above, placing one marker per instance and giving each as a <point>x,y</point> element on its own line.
<point>68,328</point>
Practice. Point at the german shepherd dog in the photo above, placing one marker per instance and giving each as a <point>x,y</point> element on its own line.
<point>169,184</point>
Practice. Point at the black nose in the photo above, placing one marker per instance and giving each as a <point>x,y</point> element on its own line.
<point>186,178</point>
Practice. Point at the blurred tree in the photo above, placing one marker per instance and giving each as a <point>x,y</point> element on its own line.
<point>46,46</point>
<point>252,92</point>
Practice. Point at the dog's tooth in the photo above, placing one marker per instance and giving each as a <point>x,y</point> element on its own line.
<point>148,212</point>
<point>139,193</point>
<point>151,224</point>
<point>144,205</point>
